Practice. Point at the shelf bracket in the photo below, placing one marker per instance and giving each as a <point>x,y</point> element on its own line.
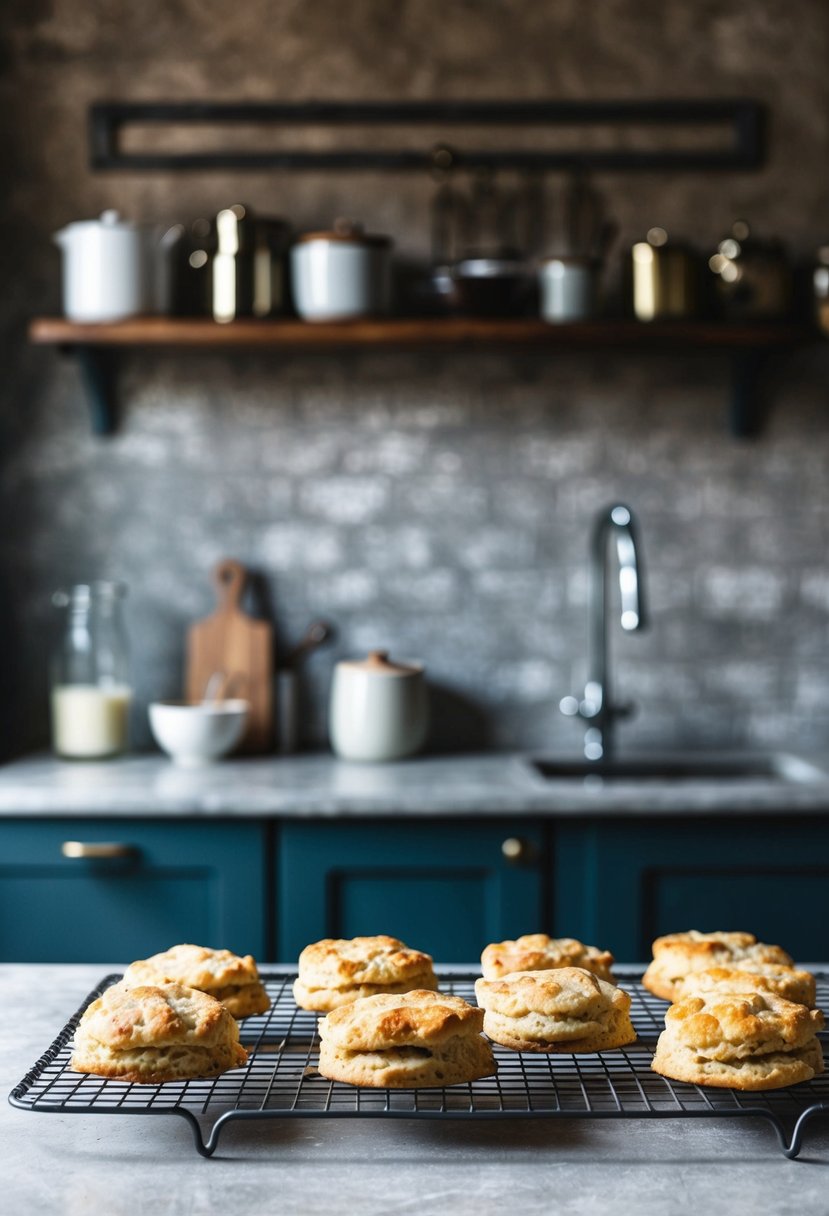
<point>747,403</point>
<point>99,373</point>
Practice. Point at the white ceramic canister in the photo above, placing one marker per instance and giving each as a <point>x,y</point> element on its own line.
<point>568,289</point>
<point>379,709</point>
<point>104,269</point>
<point>342,274</point>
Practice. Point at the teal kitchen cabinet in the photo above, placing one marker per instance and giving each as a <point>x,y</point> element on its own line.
<point>151,884</point>
<point>447,887</point>
<point>621,883</point>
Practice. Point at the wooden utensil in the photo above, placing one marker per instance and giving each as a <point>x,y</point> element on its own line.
<point>232,642</point>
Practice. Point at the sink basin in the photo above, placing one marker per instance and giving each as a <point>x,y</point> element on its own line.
<point>773,766</point>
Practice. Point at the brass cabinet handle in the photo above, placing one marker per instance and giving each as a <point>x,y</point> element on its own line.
<point>514,849</point>
<point>96,849</point>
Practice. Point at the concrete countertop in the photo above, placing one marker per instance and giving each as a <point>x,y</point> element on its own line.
<point>320,785</point>
<point>89,1164</point>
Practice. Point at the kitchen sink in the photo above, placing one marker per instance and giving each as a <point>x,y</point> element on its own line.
<point>773,766</point>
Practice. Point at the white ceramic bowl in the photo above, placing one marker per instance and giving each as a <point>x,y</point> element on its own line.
<point>197,734</point>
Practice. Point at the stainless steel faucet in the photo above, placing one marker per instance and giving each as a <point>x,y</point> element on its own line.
<point>597,707</point>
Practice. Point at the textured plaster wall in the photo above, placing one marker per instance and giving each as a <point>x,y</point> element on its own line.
<point>438,505</point>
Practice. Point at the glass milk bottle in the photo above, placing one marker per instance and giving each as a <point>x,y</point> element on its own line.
<point>90,682</point>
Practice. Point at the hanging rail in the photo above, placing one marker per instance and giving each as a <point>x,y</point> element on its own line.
<point>744,121</point>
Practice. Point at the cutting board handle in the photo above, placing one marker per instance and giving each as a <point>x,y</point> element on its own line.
<point>229,577</point>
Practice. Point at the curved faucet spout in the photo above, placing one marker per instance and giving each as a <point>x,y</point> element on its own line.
<point>597,706</point>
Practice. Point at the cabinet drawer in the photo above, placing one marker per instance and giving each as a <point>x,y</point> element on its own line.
<point>445,887</point>
<point>106,890</point>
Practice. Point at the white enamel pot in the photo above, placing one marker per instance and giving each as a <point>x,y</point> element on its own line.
<point>105,272</point>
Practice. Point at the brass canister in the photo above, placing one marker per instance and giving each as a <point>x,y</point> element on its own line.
<point>233,265</point>
<point>665,278</point>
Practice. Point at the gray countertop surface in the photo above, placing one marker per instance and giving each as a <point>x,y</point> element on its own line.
<point>82,1164</point>
<point>319,785</point>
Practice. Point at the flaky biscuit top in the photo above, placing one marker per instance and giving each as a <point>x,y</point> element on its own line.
<point>695,942</point>
<point>565,992</point>
<point>538,952</point>
<point>749,976</point>
<point>195,967</point>
<point>156,1016</point>
<point>712,949</point>
<point>411,1019</point>
<point>351,962</point>
<point>680,953</point>
<point>735,1025</point>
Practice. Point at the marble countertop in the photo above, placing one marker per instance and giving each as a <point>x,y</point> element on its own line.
<point>492,783</point>
<point>79,1164</point>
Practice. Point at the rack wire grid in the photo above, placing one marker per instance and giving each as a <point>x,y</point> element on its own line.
<point>281,1081</point>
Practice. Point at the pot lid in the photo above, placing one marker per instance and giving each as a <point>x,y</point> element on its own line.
<point>489,268</point>
<point>378,663</point>
<point>346,231</point>
<point>107,219</point>
<point>567,259</point>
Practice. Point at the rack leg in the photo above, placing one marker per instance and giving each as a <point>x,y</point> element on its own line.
<point>792,1149</point>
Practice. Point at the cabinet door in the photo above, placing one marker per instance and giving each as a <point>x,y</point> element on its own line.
<point>444,887</point>
<point>162,883</point>
<point>620,884</point>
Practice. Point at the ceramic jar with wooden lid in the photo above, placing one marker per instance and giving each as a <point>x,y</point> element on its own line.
<point>379,708</point>
<point>341,275</point>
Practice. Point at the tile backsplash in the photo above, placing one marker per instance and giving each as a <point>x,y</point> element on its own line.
<point>436,504</point>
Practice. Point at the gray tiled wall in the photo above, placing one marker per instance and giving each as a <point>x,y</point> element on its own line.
<point>435,504</point>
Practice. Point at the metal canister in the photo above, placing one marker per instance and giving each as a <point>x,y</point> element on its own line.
<point>271,286</point>
<point>232,281</point>
<point>665,278</point>
<point>753,277</point>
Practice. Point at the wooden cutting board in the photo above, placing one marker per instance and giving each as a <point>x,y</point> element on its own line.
<point>241,647</point>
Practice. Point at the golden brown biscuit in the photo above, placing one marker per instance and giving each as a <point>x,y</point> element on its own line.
<point>230,978</point>
<point>564,1010</point>
<point>750,1041</point>
<point>538,952</point>
<point>337,971</point>
<point>748,976</point>
<point>410,1040</point>
<point>677,954</point>
<point>152,1034</point>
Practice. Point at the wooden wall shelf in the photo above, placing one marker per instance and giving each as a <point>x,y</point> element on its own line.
<point>97,346</point>
<point>412,332</point>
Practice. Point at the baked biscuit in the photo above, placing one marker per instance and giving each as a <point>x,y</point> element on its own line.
<point>741,1041</point>
<point>747,976</point>
<point>336,971</point>
<point>538,952</point>
<point>410,1040</point>
<point>229,978</point>
<point>151,1034</point>
<point>564,1010</point>
<point>678,954</point>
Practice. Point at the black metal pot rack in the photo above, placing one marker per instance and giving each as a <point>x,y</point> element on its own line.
<point>743,119</point>
<point>280,1081</point>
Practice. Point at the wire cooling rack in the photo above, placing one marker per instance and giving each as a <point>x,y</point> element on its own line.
<point>280,1081</point>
